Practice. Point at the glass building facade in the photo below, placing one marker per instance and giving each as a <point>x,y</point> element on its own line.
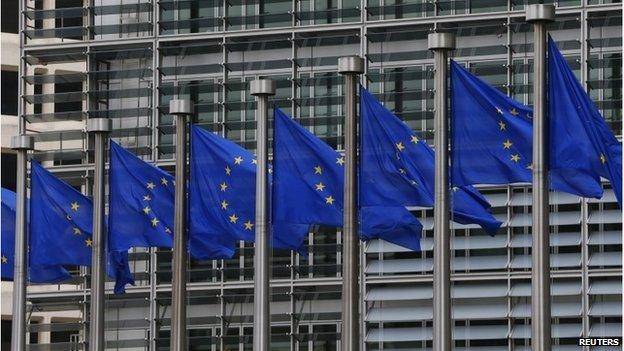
<point>125,59</point>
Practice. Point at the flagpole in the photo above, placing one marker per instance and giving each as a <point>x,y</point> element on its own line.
<point>262,89</point>
<point>99,128</point>
<point>21,144</point>
<point>540,15</point>
<point>441,44</point>
<point>181,109</point>
<point>350,67</point>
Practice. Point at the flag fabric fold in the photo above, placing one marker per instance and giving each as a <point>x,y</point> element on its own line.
<point>309,183</point>
<point>581,141</point>
<point>37,274</point>
<point>398,166</point>
<point>492,140</point>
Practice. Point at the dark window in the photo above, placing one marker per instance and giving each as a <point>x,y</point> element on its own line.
<point>9,165</point>
<point>9,93</point>
<point>6,324</point>
<point>9,20</point>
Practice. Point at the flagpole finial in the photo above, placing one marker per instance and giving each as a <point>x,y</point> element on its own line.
<point>441,41</point>
<point>350,65</point>
<point>98,125</point>
<point>180,107</point>
<point>22,142</point>
<point>262,87</point>
<point>540,12</point>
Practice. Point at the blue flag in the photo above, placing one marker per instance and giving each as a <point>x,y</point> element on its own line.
<point>492,141</point>
<point>141,209</point>
<point>141,202</point>
<point>223,197</point>
<point>581,141</point>
<point>61,221</point>
<point>38,274</point>
<point>309,186</point>
<point>398,166</point>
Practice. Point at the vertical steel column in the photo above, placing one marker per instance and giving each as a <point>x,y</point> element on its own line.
<point>21,144</point>
<point>181,109</point>
<point>540,15</point>
<point>350,67</point>
<point>262,89</point>
<point>100,127</point>
<point>441,44</point>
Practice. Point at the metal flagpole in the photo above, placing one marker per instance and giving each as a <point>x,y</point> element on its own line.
<point>181,109</point>
<point>262,89</point>
<point>21,144</point>
<point>99,127</point>
<point>441,44</point>
<point>540,15</point>
<point>350,67</point>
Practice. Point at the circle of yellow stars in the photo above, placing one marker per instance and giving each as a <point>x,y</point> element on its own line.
<point>225,186</point>
<point>147,210</point>
<point>74,207</point>
<point>507,143</point>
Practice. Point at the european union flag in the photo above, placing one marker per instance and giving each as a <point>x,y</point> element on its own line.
<point>581,141</point>
<point>61,221</point>
<point>38,274</point>
<point>309,185</point>
<point>221,195</point>
<point>223,199</point>
<point>141,202</point>
<point>492,141</point>
<point>397,165</point>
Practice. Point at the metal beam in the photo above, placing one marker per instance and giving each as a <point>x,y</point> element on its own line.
<point>351,67</point>
<point>262,89</point>
<point>540,15</point>
<point>181,109</point>
<point>441,44</point>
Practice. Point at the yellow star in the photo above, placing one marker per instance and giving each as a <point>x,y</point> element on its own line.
<point>155,221</point>
<point>164,181</point>
<point>254,161</point>
<point>507,144</point>
<point>455,189</point>
<point>223,186</point>
<point>233,218</point>
<point>75,206</point>
<point>228,171</point>
<point>238,160</point>
<point>320,186</point>
<point>500,112</point>
<point>502,125</point>
<point>401,170</point>
<point>318,170</point>
<point>414,139</point>
<point>248,225</point>
<point>4,259</point>
<point>603,158</point>
<point>147,210</point>
<point>530,166</point>
<point>150,185</point>
<point>167,230</point>
<point>340,161</point>
<point>224,204</point>
<point>68,217</point>
<point>329,200</point>
<point>77,231</point>
<point>147,198</point>
<point>89,242</point>
<point>514,112</point>
<point>400,146</point>
<point>515,157</point>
